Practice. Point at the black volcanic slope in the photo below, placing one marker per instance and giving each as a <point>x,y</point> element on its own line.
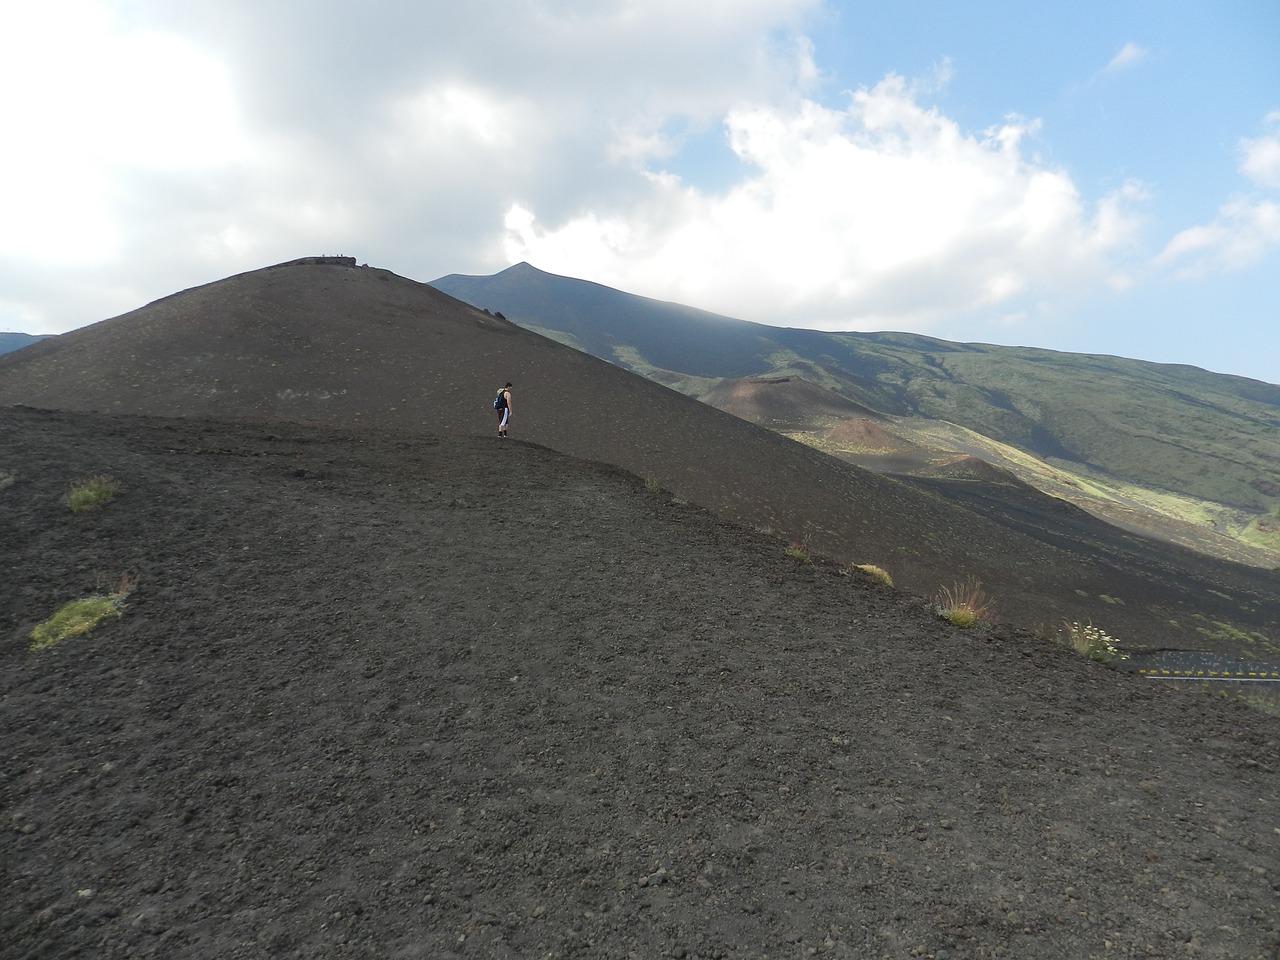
<point>784,403</point>
<point>329,342</point>
<point>379,696</point>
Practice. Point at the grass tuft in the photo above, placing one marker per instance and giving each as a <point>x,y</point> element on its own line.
<point>964,604</point>
<point>799,552</point>
<point>871,570</point>
<point>90,493</point>
<point>80,616</point>
<point>1092,642</point>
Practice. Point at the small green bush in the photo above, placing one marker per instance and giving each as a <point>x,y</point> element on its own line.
<point>6,478</point>
<point>963,604</point>
<point>90,493</point>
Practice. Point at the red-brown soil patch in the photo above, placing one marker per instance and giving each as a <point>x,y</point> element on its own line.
<point>868,436</point>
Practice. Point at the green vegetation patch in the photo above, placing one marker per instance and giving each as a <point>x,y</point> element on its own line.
<point>90,493</point>
<point>1264,532</point>
<point>80,616</point>
<point>6,478</point>
<point>632,359</point>
<point>1228,633</point>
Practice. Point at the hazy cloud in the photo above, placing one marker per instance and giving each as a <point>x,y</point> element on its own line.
<point>1244,231</point>
<point>1261,162</point>
<point>1128,56</point>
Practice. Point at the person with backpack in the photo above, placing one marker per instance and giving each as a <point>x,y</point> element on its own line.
<point>502,403</point>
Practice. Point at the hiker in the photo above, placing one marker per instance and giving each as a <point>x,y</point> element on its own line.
<point>502,403</point>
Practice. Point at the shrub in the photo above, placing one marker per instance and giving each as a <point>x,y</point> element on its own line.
<point>799,549</point>
<point>90,493</point>
<point>6,478</point>
<point>871,570</point>
<point>799,552</point>
<point>80,616</point>
<point>1092,642</point>
<point>963,604</point>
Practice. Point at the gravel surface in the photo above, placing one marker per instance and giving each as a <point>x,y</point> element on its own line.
<point>390,696</point>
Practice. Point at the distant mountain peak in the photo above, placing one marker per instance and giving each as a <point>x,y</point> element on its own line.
<point>525,269</point>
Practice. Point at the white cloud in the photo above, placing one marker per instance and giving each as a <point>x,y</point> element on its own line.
<point>1128,56</point>
<point>175,143</point>
<point>1261,162</point>
<point>1244,231</point>
<point>1247,227</point>
<point>165,144</point>
<point>882,212</point>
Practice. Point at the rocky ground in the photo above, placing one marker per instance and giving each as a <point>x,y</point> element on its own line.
<point>391,696</point>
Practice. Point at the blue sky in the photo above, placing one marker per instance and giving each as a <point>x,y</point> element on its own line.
<point>1099,177</point>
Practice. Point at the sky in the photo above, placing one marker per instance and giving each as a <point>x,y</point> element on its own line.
<point>1096,177</point>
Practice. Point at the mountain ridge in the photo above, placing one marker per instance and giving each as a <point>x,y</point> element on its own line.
<point>360,347</point>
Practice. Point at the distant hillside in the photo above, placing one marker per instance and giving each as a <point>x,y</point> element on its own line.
<point>783,403</point>
<point>1162,446</point>
<point>16,341</point>
<point>326,341</point>
<point>608,323</point>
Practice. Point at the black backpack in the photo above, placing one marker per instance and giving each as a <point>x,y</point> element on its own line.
<point>500,401</point>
